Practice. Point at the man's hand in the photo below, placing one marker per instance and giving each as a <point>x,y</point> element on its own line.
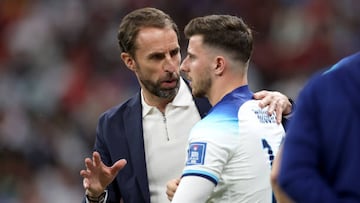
<point>276,101</point>
<point>98,176</point>
<point>171,187</point>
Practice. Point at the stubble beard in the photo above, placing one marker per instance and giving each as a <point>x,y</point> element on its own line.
<point>200,89</point>
<point>156,89</point>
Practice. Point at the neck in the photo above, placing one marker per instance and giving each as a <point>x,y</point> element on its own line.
<point>224,86</point>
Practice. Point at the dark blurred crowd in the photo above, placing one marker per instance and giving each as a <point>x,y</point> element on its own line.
<point>60,69</point>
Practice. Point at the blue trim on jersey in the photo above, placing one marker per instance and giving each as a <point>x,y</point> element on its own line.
<point>226,110</point>
<point>203,174</point>
<point>235,98</point>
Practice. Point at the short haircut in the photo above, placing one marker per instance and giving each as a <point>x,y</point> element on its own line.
<point>142,18</point>
<point>227,32</point>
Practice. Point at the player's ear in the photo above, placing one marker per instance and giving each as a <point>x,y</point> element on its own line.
<point>128,60</point>
<point>219,65</point>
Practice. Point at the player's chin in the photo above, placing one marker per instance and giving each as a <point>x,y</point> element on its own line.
<point>198,92</point>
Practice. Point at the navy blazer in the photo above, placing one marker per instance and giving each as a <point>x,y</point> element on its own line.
<point>120,136</point>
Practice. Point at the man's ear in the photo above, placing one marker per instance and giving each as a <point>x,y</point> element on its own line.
<point>219,65</point>
<point>128,60</point>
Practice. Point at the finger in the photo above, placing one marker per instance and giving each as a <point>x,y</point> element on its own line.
<point>86,184</point>
<point>117,166</point>
<point>171,187</point>
<point>264,102</point>
<point>278,115</point>
<point>84,173</point>
<point>96,159</point>
<point>177,181</point>
<point>169,195</point>
<point>271,107</point>
<point>280,107</point>
<point>260,94</point>
<point>267,101</point>
<point>170,192</point>
<point>89,164</point>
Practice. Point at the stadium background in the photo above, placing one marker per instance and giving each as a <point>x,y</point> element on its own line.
<point>60,68</point>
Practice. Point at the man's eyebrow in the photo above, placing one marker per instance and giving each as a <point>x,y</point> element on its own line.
<point>160,54</point>
<point>175,49</point>
<point>156,55</point>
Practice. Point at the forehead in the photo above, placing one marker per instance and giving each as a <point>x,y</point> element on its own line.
<point>195,44</point>
<point>151,39</point>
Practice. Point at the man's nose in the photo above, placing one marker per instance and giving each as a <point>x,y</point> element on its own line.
<point>171,65</point>
<point>183,66</point>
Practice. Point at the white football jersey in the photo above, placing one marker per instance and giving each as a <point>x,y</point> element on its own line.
<point>233,147</point>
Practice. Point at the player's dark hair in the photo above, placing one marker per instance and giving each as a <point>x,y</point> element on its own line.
<point>223,31</point>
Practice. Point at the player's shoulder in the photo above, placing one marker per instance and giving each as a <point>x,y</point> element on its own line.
<point>251,111</point>
<point>249,107</point>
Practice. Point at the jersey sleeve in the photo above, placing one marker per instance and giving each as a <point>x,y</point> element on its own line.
<point>185,191</point>
<point>209,150</point>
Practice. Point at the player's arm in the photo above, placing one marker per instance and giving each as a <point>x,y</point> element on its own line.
<point>280,195</point>
<point>188,189</point>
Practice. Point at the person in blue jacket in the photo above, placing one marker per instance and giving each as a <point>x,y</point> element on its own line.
<point>321,154</point>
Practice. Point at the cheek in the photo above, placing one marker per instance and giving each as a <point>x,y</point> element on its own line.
<point>145,72</point>
<point>199,66</point>
<point>148,74</point>
<point>179,59</point>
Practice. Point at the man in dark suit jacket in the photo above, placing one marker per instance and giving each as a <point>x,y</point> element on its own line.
<point>162,111</point>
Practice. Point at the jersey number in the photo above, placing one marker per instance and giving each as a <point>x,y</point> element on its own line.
<point>269,152</point>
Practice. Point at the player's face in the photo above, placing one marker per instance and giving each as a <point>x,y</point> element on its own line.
<point>157,61</point>
<point>197,66</point>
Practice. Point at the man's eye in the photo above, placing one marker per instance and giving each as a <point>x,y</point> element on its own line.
<point>157,56</point>
<point>174,52</point>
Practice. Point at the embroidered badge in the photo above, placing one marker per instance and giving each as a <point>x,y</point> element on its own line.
<point>196,153</point>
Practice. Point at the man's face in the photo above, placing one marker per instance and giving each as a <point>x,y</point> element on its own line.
<point>197,66</point>
<point>157,61</point>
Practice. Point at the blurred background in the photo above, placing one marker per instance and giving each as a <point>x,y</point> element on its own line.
<point>60,69</point>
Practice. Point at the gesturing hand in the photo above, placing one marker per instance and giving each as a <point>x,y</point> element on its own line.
<point>98,176</point>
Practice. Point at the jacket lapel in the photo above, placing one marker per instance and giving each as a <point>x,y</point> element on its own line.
<point>134,134</point>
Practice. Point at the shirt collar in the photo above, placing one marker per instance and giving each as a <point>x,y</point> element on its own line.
<point>182,98</point>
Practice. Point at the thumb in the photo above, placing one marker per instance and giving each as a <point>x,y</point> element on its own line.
<point>120,164</point>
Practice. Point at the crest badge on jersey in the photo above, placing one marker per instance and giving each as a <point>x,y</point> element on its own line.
<point>196,153</point>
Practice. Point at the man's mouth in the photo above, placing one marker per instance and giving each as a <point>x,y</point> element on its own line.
<point>169,83</point>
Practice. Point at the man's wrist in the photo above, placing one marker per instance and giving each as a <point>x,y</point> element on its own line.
<point>292,105</point>
<point>96,199</point>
